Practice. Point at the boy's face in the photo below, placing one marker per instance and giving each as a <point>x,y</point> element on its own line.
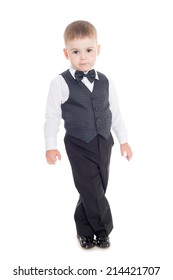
<point>82,53</point>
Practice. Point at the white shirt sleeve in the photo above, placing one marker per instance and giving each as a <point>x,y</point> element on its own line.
<point>58,94</point>
<point>118,125</point>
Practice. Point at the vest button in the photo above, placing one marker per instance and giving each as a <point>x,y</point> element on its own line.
<point>98,120</point>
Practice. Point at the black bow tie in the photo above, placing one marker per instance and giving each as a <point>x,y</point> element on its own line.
<point>90,75</point>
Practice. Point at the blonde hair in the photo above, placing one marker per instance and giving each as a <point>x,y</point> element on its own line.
<point>79,29</point>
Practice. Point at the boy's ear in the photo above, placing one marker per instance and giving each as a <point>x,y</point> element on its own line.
<point>65,53</point>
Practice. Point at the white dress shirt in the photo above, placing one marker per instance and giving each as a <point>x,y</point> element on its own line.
<point>59,93</point>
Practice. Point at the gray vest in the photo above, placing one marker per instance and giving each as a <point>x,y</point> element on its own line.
<point>87,114</point>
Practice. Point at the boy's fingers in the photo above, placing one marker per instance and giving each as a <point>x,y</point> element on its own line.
<point>58,155</point>
<point>51,160</point>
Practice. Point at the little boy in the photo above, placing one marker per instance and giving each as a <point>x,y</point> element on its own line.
<point>87,101</point>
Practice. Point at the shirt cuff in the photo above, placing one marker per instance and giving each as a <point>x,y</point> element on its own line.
<point>122,137</point>
<point>50,143</point>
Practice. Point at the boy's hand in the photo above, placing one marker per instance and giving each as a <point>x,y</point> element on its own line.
<point>126,151</point>
<point>52,155</point>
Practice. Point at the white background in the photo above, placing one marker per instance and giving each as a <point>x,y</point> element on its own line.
<point>37,201</point>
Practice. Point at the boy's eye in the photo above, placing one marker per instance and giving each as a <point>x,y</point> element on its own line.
<point>89,50</point>
<point>75,52</point>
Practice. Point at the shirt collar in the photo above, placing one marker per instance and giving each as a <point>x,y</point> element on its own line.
<point>72,71</point>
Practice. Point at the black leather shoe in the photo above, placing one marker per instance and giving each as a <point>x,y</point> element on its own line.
<point>86,242</point>
<point>102,241</point>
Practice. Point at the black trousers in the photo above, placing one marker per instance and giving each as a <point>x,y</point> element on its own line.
<point>90,169</point>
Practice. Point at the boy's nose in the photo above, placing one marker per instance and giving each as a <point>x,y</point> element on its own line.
<point>83,56</point>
